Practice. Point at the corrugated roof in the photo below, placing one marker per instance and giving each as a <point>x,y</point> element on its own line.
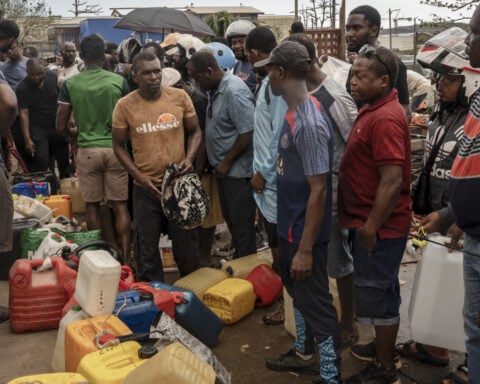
<point>247,10</point>
<point>234,10</point>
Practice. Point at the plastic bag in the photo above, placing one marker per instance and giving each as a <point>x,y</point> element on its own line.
<point>30,240</point>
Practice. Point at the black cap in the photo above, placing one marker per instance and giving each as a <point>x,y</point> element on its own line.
<point>290,55</point>
<point>147,351</point>
<point>8,28</point>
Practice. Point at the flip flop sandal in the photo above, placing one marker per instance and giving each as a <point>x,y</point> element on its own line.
<point>275,318</point>
<point>455,378</point>
<point>405,350</point>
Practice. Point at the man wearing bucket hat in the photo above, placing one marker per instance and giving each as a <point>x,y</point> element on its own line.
<point>167,45</point>
<point>9,32</point>
<point>304,187</point>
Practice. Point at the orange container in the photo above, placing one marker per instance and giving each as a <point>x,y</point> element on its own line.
<point>80,337</point>
<point>60,205</point>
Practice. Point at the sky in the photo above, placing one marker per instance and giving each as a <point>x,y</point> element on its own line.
<point>279,7</point>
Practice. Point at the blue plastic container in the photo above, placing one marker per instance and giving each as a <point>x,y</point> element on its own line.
<point>194,316</point>
<point>127,297</point>
<point>137,315</point>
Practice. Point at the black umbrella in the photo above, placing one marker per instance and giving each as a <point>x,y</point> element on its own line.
<point>163,19</point>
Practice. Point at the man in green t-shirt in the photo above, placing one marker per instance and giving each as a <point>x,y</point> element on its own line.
<point>92,95</point>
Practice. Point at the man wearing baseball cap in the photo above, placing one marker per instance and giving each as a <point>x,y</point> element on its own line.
<point>8,110</point>
<point>305,155</point>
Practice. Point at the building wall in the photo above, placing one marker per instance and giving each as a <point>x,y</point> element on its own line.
<point>400,42</point>
<point>280,25</point>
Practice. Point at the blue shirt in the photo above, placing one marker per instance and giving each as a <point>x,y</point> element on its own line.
<point>243,69</point>
<point>229,113</point>
<point>14,71</point>
<point>269,115</point>
<point>305,149</point>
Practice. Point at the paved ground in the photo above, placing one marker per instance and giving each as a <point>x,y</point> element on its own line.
<point>242,348</point>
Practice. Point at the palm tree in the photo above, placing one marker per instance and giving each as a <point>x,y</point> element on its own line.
<point>219,22</point>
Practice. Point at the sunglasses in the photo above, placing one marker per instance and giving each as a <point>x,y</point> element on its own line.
<point>370,51</point>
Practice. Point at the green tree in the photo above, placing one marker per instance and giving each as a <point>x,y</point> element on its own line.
<point>219,22</point>
<point>32,16</point>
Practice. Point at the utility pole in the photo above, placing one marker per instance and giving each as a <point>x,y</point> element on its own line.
<point>296,10</point>
<point>342,31</point>
<point>390,24</point>
<point>415,42</point>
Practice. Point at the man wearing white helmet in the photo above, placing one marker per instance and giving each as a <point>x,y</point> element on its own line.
<point>187,45</point>
<point>235,34</point>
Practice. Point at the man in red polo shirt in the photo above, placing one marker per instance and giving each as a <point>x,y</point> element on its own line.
<point>374,203</point>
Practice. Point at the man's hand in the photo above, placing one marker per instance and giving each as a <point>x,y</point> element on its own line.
<point>367,238</point>
<point>430,223</point>
<point>148,184</point>
<point>455,235</point>
<point>30,147</point>
<point>185,166</point>
<point>222,168</point>
<point>258,183</point>
<point>301,268</point>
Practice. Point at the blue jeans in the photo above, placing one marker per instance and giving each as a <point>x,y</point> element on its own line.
<point>471,306</point>
<point>377,290</point>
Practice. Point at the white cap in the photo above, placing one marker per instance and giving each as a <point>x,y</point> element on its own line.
<point>170,77</point>
<point>173,51</point>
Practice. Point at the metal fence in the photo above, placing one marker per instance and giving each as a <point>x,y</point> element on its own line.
<point>328,42</point>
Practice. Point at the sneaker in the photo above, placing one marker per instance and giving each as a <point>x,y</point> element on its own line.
<point>366,352</point>
<point>375,373</point>
<point>226,251</point>
<point>3,313</point>
<point>261,241</point>
<point>290,361</point>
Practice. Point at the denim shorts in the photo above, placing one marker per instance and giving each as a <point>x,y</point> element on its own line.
<point>340,260</point>
<point>377,290</point>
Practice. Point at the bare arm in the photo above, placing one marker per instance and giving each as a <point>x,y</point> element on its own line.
<point>242,143</point>
<point>388,191</point>
<point>302,262</point>
<point>63,116</point>
<point>119,139</point>
<point>194,140</point>
<point>25,128</point>
<point>8,108</point>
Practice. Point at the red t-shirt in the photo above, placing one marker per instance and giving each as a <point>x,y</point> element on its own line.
<point>380,136</point>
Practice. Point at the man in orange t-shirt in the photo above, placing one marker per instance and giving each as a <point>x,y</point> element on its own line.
<point>155,119</point>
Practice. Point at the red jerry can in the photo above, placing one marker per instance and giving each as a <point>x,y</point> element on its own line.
<point>266,283</point>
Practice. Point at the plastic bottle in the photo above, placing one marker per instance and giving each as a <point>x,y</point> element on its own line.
<point>58,359</point>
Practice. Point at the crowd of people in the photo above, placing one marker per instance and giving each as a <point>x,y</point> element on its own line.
<point>324,168</point>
